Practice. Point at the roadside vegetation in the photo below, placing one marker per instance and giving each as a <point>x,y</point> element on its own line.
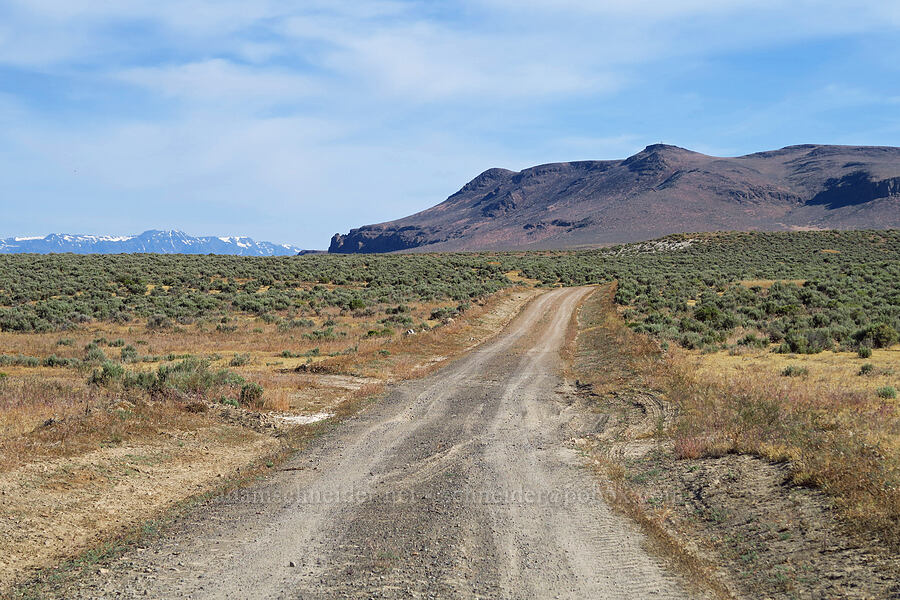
<point>118,377</point>
<point>722,457</point>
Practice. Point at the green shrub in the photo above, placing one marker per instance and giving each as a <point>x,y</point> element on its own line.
<point>251,394</point>
<point>753,341</point>
<point>129,354</point>
<point>56,361</point>
<point>289,324</point>
<point>94,354</point>
<point>794,371</point>
<point>191,375</point>
<point>866,368</point>
<point>887,392</point>
<point>864,352</point>
<point>159,321</point>
<point>877,335</point>
<point>239,360</point>
<point>385,332</point>
<point>110,372</point>
<point>322,334</point>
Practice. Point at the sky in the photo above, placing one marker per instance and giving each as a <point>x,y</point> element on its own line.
<point>291,121</point>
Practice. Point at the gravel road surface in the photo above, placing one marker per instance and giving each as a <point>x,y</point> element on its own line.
<point>460,485</point>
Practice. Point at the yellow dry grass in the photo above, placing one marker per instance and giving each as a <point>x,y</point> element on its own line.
<point>827,370</point>
<point>767,283</point>
<point>829,424</point>
<point>516,277</point>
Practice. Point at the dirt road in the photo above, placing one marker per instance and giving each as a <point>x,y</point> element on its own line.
<point>458,485</point>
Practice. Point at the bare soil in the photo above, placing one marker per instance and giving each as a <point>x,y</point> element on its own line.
<point>463,484</point>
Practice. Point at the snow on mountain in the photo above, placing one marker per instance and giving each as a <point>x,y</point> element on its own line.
<point>152,241</point>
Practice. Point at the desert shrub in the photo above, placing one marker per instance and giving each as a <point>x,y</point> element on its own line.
<point>866,369</point>
<point>19,360</point>
<point>93,354</point>
<point>56,361</point>
<point>398,320</point>
<point>864,352</point>
<point>691,340</point>
<point>887,392</point>
<point>159,321</point>
<point>440,314</point>
<point>109,372</point>
<point>289,324</point>
<point>251,394</point>
<point>192,375</point>
<point>753,341</point>
<point>239,360</point>
<point>129,354</point>
<point>876,335</point>
<point>384,332</point>
<point>794,371</point>
<point>323,334</point>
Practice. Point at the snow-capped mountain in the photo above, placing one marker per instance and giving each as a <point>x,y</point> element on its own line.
<point>153,241</point>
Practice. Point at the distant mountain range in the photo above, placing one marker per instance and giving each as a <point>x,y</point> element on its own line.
<point>152,241</point>
<point>658,191</point>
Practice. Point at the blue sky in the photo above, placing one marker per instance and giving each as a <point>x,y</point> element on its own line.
<point>290,121</point>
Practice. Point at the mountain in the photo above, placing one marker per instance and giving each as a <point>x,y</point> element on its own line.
<point>153,241</point>
<point>660,190</point>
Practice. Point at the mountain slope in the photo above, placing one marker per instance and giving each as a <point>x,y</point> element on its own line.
<point>660,190</point>
<point>153,241</point>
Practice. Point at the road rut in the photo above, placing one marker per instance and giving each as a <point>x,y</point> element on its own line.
<point>460,485</point>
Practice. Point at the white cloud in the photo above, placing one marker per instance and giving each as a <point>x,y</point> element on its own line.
<point>221,81</point>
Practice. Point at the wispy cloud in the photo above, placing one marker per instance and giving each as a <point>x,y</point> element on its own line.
<point>223,82</point>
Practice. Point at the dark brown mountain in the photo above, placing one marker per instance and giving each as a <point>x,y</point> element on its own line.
<point>661,190</point>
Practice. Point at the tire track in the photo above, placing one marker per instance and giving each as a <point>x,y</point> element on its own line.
<point>460,485</point>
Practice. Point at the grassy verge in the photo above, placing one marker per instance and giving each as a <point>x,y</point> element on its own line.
<point>836,436</point>
<point>749,478</point>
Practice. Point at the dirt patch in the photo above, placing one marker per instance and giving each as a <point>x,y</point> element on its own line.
<point>54,509</point>
<point>738,519</point>
<point>766,536</point>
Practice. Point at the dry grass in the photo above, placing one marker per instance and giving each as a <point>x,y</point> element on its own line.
<point>767,283</point>
<point>351,365</point>
<point>836,433</point>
